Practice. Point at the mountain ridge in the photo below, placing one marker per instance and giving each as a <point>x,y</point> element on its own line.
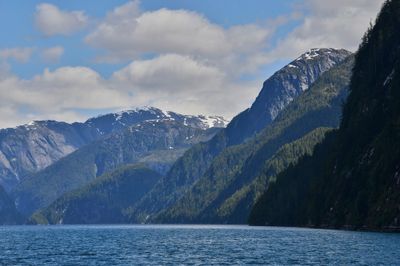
<point>29,148</point>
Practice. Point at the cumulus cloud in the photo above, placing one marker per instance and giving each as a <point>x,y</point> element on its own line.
<point>128,33</point>
<point>336,24</point>
<point>52,54</point>
<point>169,73</point>
<point>21,55</point>
<point>68,88</point>
<point>172,82</point>
<point>180,83</point>
<point>50,20</point>
<point>57,94</point>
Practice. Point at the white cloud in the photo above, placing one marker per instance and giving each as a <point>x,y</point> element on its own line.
<point>180,83</point>
<point>128,33</point>
<point>72,87</point>
<point>57,94</point>
<point>50,20</point>
<point>52,54</point>
<point>21,55</point>
<point>172,82</point>
<point>169,73</point>
<point>336,24</point>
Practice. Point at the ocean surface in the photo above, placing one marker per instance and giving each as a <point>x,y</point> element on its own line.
<point>193,245</point>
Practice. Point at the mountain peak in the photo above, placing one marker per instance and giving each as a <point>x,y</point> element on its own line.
<point>282,88</point>
<point>149,113</point>
<point>34,124</point>
<point>317,52</point>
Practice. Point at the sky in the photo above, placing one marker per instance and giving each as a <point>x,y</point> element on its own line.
<point>71,60</point>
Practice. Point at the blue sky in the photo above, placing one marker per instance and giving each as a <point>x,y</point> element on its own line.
<point>20,14</point>
<point>68,60</point>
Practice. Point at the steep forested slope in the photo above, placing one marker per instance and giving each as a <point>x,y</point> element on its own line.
<point>352,180</point>
<point>103,200</point>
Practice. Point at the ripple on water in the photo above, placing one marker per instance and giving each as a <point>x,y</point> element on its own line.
<point>193,245</point>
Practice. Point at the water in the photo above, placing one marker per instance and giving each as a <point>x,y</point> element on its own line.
<point>193,245</point>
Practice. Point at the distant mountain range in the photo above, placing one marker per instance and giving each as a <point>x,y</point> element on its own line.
<point>148,135</point>
<point>155,143</point>
<point>26,149</point>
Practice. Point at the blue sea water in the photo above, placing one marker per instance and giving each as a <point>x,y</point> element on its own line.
<point>193,245</point>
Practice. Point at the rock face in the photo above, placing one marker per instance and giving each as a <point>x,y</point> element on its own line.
<point>26,149</point>
<point>29,148</point>
<point>278,91</point>
<point>353,178</point>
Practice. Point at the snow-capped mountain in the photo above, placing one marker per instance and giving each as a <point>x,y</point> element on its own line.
<point>115,121</point>
<point>29,148</point>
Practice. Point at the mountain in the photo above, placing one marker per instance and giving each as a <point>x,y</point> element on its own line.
<point>352,180</point>
<point>282,88</point>
<point>116,121</point>
<point>239,174</point>
<point>277,92</point>
<point>30,148</point>
<point>8,212</point>
<point>102,201</point>
<point>156,143</point>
